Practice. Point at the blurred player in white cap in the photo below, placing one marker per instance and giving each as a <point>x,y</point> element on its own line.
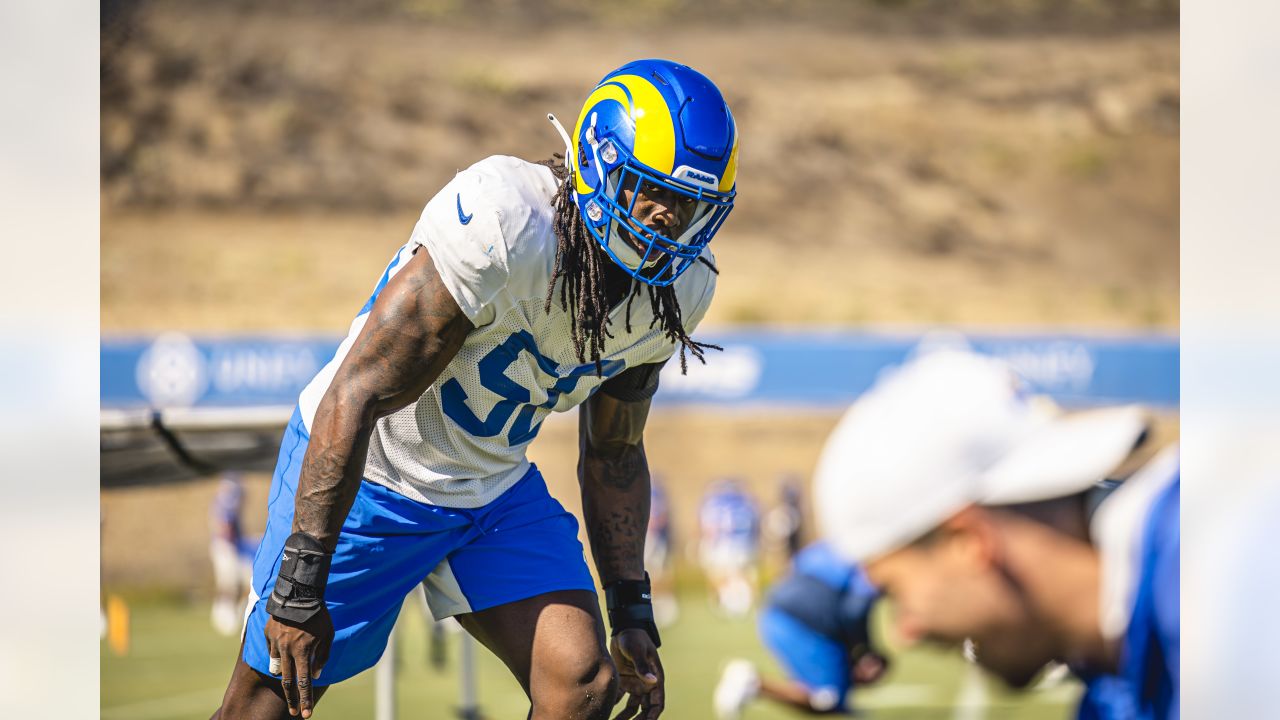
<point>986,514</point>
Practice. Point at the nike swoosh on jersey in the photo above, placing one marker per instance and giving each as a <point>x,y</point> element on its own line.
<point>463,217</point>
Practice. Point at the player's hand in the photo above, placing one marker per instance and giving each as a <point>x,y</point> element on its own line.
<point>869,668</point>
<point>639,675</point>
<point>302,649</point>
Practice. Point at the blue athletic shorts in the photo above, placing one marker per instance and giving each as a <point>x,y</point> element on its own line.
<point>520,545</point>
<point>814,660</point>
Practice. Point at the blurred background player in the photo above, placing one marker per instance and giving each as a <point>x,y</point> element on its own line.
<point>988,516</point>
<point>784,523</point>
<point>815,622</point>
<point>657,555</point>
<point>728,546</point>
<point>231,554</point>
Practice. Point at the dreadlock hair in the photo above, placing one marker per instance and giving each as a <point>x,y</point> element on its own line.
<point>581,263</point>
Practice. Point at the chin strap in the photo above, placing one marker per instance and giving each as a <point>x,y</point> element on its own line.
<point>568,144</point>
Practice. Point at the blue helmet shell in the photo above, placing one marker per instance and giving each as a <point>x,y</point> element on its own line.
<point>661,123</point>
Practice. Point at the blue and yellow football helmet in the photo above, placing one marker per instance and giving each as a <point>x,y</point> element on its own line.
<point>661,123</point>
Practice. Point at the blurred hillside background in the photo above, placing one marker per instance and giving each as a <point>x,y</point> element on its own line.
<point>975,163</point>
<point>990,161</point>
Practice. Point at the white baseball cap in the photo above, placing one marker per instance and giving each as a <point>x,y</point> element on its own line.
<point>947,430</point>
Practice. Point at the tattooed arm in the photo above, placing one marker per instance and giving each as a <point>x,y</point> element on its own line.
<point>413,331</point>
<point>614,476</point>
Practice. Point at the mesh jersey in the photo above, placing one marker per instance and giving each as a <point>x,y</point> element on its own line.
<point>489,232</point>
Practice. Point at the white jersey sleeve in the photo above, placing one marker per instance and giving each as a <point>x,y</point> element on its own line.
<point>461,227</point>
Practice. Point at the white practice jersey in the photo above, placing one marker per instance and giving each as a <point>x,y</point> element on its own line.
<point>490,234</point>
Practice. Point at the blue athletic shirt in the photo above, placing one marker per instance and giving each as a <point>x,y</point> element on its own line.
<point>1151,653</point>
<point>1147,685</point>
<point>829,595</point>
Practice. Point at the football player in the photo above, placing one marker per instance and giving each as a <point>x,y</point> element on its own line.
<point>524,289</point>
<point>815,622</point>
<point>729,546</point>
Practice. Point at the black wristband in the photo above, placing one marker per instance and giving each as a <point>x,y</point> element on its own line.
<point>630,604</point>
<point>304,572</point>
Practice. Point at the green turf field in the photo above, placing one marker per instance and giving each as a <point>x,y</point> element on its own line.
<point>177,667</point>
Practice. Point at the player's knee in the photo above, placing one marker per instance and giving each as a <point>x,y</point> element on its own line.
<point>600,691</point>
<point>586,690</point>
<point>594,690</point>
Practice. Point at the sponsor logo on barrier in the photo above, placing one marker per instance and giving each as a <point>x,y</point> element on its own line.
<point>729,375</point>
<point>1057,366</point>
<point>1052,366</point>
<point>176,371</point>
<point>272,369</point>
<point>172,372</point>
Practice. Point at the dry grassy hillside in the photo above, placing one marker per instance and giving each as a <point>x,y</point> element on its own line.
<point>885,176</point>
